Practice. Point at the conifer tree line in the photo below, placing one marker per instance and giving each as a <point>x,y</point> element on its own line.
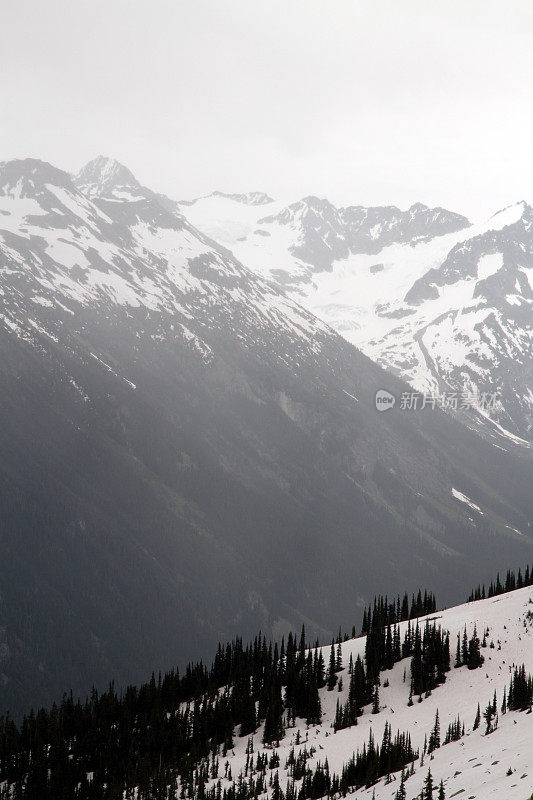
<point>519,697</point>
<point>512,581</point>
<point>367,767</point>
<point>520,694</point>
<point>431,657</point>
<point>164,727</point>
<point>177,729</point>
<point>383,613</point>
<point>456,730</point>
<point>468,651</point>
<point>430,650</point>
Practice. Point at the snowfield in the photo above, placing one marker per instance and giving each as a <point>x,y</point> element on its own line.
<point>445,308</point>
<point>477,765</point>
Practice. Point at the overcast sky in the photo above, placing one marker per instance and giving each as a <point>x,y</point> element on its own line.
<point>363,102</point>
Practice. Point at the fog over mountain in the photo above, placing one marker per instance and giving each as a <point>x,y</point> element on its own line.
<point>187,453</point>
<point>266,400</point>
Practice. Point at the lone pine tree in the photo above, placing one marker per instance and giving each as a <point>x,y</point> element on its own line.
<point>332,677</point>
<point>434,738</point>
<point>427,791</point>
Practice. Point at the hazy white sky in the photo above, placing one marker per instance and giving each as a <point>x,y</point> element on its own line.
<point>363,101</point>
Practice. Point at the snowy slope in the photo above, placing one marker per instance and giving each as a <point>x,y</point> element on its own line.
<point>292,243</point>
<point>445,305</point>
<point>475,766</point>
<point>104,241</point>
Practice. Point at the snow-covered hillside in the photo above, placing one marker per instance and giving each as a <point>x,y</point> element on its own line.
<point>293,243</point>
<point>497,766</point>
<point>445,305</point>
<point>102,240</point>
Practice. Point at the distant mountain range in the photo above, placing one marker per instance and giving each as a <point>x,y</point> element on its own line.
<point>187,453</point>
<point>446,305</point>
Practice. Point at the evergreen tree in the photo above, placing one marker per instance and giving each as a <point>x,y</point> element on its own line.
<point>273,730</point>
<point>489,716</point>
<point>375,700</point>
<point>458,661</point>
<point>520,695</point>
<point>477,720</point>
<point>332,678</point>
<point>247,714</point>
<point>464,648</point>
<point>405,608</point>
<point>401,793</point>
<point>434,739</point>
<point>427,792</point>
<point>277,794</point>
<point>314,708</point>
<point>474,657</point>
<point>364,626</point>
<point>338,659</point>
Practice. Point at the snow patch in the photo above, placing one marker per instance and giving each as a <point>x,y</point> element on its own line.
<point>488,264</point>
<point>464,499</point>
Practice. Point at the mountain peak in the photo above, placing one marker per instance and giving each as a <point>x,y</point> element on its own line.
<point>108,178</point>
<point>27,174</point>
<point>317,203</point>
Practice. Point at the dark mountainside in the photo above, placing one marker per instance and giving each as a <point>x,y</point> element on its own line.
<point>182,458</point>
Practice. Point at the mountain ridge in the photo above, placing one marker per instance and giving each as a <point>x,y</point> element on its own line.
<point>394,290</point>
<point>136,352</point>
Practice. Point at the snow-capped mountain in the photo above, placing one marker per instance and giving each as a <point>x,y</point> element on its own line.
<point>177,437</point>
<point>442,303</point>
<point>472,320</point>
<point>293,242</point>
<point>325,234</point>
<point>105,177</point>
<point>125,249</point>
<point>493,766</point>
